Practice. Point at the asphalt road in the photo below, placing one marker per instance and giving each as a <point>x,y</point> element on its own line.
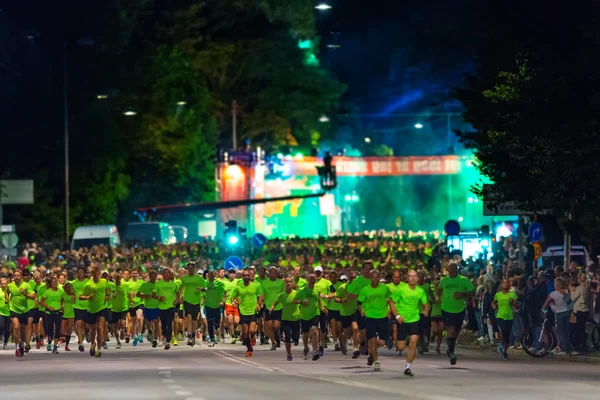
<point>224,373</point>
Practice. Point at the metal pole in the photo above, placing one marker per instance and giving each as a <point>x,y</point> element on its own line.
<point>567,247</point>
<point>450,195</point>
<point>234,115</point>
<point>520,242</point>
<point>66,125</point>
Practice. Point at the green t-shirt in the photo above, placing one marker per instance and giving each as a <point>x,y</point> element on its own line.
<point>41,289</point>
<point>323,285</point>
<point>436,307</point>
<point>31,303</point>
<point>111,290</point>
<point>98,302</point>
<point>394,287</point>
<point>229,286</point>
<point>214,294</point>
<point>53,298</point>
<point>375,300</point>
<point>272,289</point>
<point>505,310</point>
<point>451,286</point>
<point>291,311</point>
<point>17,301</point>
<point>191,284</point>
<point>408,302</point>
<point>168,290</point>
<point>427,289</point>
<point>349,307</point>
<point>135,288</point>
<point>147,289</point>
<point>332,305</point>
<point>301,284</point>
<point>312,309</point>
<point>4,307</point>
<point>248,296</point>
<point>357,285</point>
<point>78,289</point>
<point>120,300</point>
<point>68,312</point>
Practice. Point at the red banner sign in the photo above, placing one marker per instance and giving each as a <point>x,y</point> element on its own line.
<point>379,166</point>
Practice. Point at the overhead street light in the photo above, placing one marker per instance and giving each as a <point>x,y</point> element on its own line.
<point>324,118</point>
<point>323,7</point>
<point>419,125</point>
<point>367,140</point>
<point>129,113</point>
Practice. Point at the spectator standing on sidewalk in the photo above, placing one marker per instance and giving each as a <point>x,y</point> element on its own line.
<point>580,298</point>
<point>560,299</point>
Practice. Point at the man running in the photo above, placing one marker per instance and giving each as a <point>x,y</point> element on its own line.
<point>246,297</point>
<point>166,291</point>
<point>373,303</point>
<point>394,285</point>
<point>334,308</point>
<point>405,307</point>
<point>136,312</point>
<point>323,286</point>
<point>17,294</point>
<point>120,307</point>
<point>193,287</point>
<point>353,292</point>
<point>151,311</point>
<point>96,291</point>
<point>454,290</point>
<point>347,313</point>
<point>310,312</point>
<point>232,313</point>
<point>80,307</point>
<point>214,299</point>
<point>272,288</point>
<point>290,316</point>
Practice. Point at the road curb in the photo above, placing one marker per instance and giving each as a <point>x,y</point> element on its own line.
<point>520,354</point>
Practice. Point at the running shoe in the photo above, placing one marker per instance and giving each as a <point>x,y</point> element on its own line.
<point>18,352</point>
<point>296,343</point>
<point>355,354</point>
<point>248,354</point>
<point>81,349</point>
<point>376,366</point>
<point>5,347</point>
<point>214,341</point>
<point>67,348</point>
<point>289,357</point>
<point>180,336</point>
<point>211,344</point>
<point>453,359</point>
<point>344,349</point>
<point>189,342</point>
<point>306,354</point>
<point>337,347</point>
<point>398,353</point>
<point>175,342</point>
<point>321,351</point>
<point>273,347</point>
<point>262,339</point>
<point>135,341</point>
<point>37,345</point>
<point>408,372</point>
<point>154,343</point>
<point>98,354</point>
<point>27,348</point>
<point>55,350</point>
<point>105,346</point>
<point>127,339</point>
<point>370,360</point>
<point>253,342</point>
<point>140,339</point>
<point>92,351</point>
<point>316,356</point>
<point>167,346</point>
<point>49,347</point>
<point>22,350</point>
<point>118,346</point>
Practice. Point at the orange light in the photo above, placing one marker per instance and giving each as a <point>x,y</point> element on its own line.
<point>234,172</point>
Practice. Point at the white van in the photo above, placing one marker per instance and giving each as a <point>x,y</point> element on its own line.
<point>88,236</point>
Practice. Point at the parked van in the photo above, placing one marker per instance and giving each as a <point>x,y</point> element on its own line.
<point>88,236</point>
<point>147,234</point>
<point>181,233</point>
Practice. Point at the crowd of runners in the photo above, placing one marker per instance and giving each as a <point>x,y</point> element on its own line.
<point>355,297</point>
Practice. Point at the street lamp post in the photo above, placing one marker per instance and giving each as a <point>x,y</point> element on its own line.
<point>66,126</point>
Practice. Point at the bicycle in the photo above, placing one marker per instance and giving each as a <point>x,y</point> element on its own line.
<point>539,339</point>
<point>593,333</point>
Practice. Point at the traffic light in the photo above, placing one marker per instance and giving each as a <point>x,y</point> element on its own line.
<point>485,239</point>
<point>233,233</point>
<point>327,173</point>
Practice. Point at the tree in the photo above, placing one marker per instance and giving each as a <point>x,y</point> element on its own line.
<point>533,105</point>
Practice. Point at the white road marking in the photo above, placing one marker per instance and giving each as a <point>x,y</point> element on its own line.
<point>175,387</point>
<point>244,361</point>
<point>182,393</point>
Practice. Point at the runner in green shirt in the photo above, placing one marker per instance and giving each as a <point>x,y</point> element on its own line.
<point>4,312</point>
<point>373,303</point>
<point>334,310</point>
<point>17,293</point>
<point>68,313</point>
<point>347,314</point>
<point>151,311</point>
<point>80,307</point>
<point>232,313</point>
<point>454,290</point>
<point>405,306</point>
<point>272,288</point>
<point>166,291</point>
<point>136,311</point>
<point>353,292</point>
<point>246,297</point>
<point>120,306</point>
<point>437,321</point>
<point>504,302</point>
<point>193,287</point>
<point>323,286</point>
<point>214,299</point>
<point>312,307</point>
<point>53,301</point>
<point>290,316</point>
<point>96,291</point>
<point>394,285</point>
<point>31,309</point>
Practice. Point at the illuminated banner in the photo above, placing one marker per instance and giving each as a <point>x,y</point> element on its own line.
<point>378,166</point>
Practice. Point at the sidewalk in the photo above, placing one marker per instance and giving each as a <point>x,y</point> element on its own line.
<point>468,340</point>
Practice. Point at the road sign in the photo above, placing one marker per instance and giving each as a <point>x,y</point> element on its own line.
<point>452,228</point>
<point>259,240</point>
<point>10,240</point>
<point>537,251</point>
<point>233,262</point>
<point>16,192</point>
<point>535,232</point>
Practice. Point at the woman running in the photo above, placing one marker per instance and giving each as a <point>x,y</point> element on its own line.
<point>290,316</point>
<point>53,301</point>
<point>437,320</point>
<point>5,323</point>
<point>68,314</point>
<point>504,302</point>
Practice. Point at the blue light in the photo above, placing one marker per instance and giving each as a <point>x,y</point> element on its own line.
<point>233,239</point>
